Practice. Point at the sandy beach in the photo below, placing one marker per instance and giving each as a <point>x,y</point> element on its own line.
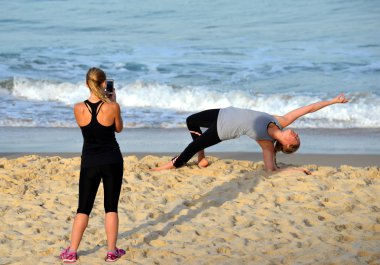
<point>229,213</point>
<point>170,60</point>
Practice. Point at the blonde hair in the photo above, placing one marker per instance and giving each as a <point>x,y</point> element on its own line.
<point>95,78</point>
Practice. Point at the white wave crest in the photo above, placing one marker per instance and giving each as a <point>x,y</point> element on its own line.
<point>43,90</point>
<point>167,105</point>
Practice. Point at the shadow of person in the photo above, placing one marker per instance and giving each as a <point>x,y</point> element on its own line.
<point>219,195</point>
<point>89,251</point>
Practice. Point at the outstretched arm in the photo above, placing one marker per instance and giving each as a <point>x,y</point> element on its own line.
<point>290,117</point>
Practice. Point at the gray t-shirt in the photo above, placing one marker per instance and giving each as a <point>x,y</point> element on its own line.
<point>234,122</point>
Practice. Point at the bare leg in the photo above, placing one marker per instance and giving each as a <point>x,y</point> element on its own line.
<point>202,161</point>
<point>112,226</point>
<point>79,226</point>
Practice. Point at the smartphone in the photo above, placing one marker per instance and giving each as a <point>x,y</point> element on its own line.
<point>109,88</point>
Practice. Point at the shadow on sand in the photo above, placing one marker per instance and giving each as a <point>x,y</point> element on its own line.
<point>225,192</point>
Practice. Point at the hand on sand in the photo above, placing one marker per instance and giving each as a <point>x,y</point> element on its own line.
<point>293,169</point>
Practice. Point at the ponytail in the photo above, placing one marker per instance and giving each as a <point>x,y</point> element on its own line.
<point>95,78</point>
<point>277,147</point>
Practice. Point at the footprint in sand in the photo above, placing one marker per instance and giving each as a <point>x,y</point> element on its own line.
<point>340,228</point>
<point>307,223</point>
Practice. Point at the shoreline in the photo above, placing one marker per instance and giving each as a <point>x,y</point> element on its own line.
<point>158,140</point>
<point>334,160</point>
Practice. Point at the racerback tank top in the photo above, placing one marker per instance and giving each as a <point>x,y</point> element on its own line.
<point>99,142</point>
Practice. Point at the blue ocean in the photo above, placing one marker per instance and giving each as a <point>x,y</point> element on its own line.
<point>172,58</point>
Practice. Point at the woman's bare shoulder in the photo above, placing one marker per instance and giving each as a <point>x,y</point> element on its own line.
<point>79,106</point>
<point>282,120</point>
<point>111,105</point>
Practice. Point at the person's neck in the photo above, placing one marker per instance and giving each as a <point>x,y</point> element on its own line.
<point>274,132</point>
<point>93,98</point>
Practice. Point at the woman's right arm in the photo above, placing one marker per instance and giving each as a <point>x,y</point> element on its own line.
<point>290,117</point>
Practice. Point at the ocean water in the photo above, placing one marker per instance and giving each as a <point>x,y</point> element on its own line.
<point>172,58</point>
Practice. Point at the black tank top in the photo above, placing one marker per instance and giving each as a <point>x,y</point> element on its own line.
<point>99,142</point>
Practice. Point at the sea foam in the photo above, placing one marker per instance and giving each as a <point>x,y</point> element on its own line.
<point>49,103</point>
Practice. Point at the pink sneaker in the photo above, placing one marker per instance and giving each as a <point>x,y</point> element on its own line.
<point>114,255</point>
<point>68,256</point>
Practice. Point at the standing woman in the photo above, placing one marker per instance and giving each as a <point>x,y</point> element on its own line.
<point>229,123</point>
<point>99,118</point>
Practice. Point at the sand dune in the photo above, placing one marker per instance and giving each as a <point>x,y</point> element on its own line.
<point>230,213</point>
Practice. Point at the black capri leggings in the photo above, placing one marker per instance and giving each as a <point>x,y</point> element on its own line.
<point>207,119</point>
<point>90,177</point>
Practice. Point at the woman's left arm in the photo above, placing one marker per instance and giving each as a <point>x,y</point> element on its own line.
<point>268,155</point>
<point>269,160</point>
<point>290,117</point>
<point>116,108</point>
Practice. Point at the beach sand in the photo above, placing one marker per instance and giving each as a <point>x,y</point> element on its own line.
<point>229,213</point>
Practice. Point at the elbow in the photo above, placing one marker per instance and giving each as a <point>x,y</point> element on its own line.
<point>119,125</point>
<point>119,128</point>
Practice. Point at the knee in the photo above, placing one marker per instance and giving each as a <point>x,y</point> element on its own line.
<point>110,209</point>
<point>111,206</point>
<point>82,210</point>
<point>189,120</point>
<point>85,206</point>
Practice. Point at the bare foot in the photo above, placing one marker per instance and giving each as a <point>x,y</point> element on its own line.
<point>168,165</point>
<point>203,163</point>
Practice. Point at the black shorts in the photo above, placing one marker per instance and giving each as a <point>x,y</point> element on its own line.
<point>90,177</point>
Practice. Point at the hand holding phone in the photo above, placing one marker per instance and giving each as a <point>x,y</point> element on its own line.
<point>109,88</point>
